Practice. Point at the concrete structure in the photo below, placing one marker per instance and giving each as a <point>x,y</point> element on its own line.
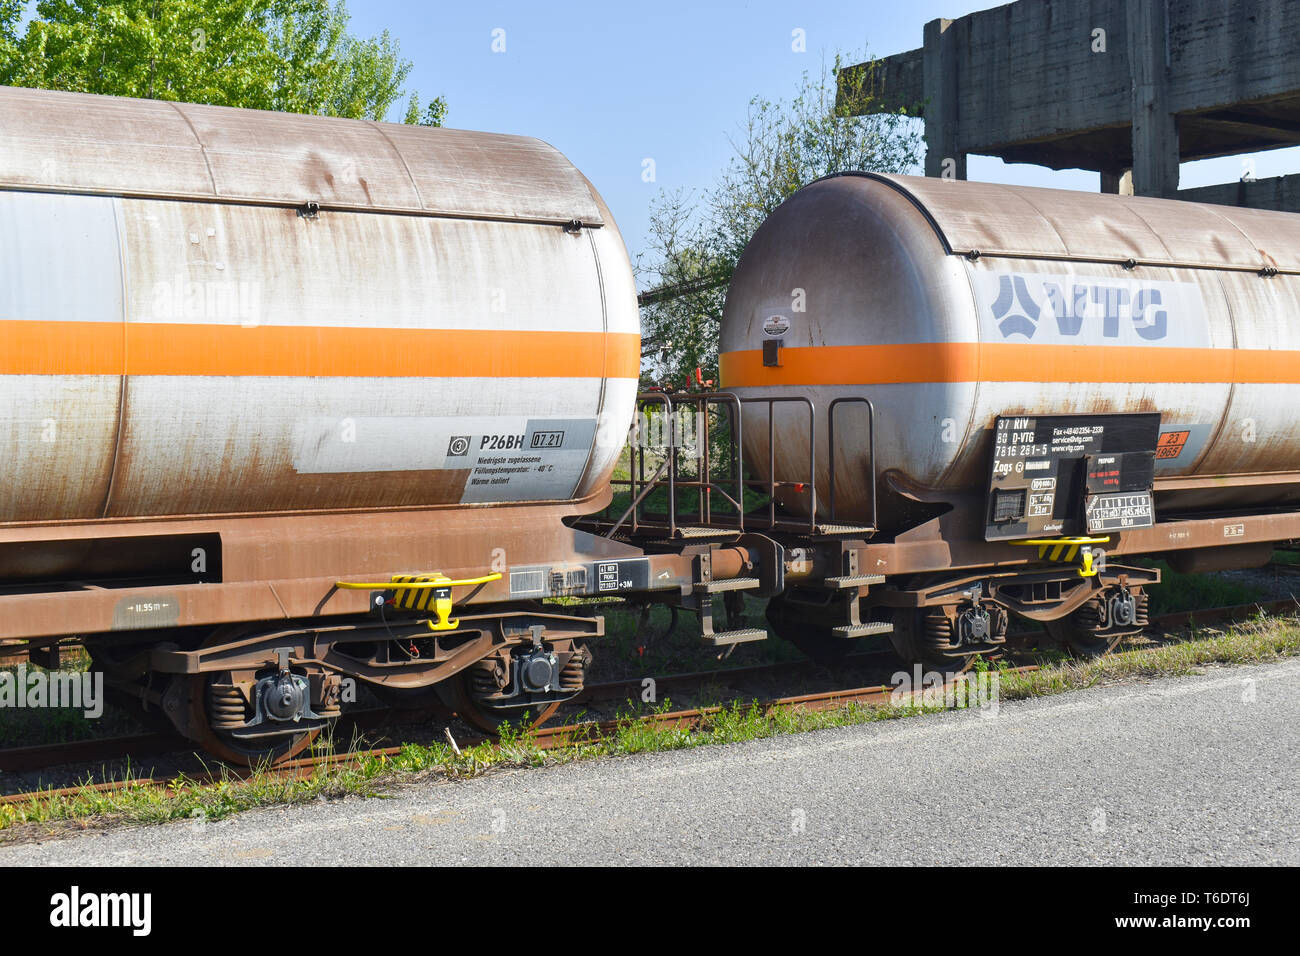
<point>1130,88</point>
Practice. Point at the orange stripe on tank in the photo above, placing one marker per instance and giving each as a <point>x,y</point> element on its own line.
<point>1001,362</point>
<point>101,348</point>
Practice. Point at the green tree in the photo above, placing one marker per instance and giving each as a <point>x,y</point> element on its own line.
<point>696,239</point>
<point>289,55</point>
<point>11,12</point>
<point>433,115</point>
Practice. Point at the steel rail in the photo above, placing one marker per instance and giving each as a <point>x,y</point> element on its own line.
<point>46,756</point>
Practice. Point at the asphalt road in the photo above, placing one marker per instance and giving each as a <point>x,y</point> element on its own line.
<point>1198,770</point>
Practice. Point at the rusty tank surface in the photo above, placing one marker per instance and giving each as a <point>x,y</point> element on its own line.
<point>211,311</point>
<point>950,304</point>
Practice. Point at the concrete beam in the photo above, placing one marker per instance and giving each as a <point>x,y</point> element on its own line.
<point>1036,72</point>
<point>1281,193</point>
<point>942,155</point>
<point>1247,127</point>
<point>890,85</point>
<point>1155,130</point>
<point>1240,51</point>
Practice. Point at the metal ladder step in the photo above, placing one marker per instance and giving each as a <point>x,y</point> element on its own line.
<point>731,584</point>
<point>743,636</point>
<point>690,531</point>
<point>853,581</point>
<point>862,630</point>
<point>832,530</point>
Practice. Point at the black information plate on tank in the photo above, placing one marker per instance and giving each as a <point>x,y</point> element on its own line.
<point>1116,512</point>
<point>1048,469</point>
<point>1118,491</point>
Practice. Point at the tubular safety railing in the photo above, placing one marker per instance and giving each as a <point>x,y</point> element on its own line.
<point>687,470</point>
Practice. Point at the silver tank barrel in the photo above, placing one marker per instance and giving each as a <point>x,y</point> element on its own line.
<point>951,303</point>
<point>212,311</point>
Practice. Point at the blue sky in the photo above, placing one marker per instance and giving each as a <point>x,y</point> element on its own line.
<point>612,83</point>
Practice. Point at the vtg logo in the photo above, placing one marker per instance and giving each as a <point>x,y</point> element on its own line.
<point>1078,308</point>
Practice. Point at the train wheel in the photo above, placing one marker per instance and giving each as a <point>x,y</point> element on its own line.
<point>458,694</point>
<point>214,701</point>
<point>207,704</point>
<point>1082,643</point>
<point>524,684</point>
<point>1089,630</point>
<point>818,643</point>
<point>917,631</point>
<point>820,646</point>
<point>127,684</point>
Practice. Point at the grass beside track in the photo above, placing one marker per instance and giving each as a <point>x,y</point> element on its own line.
<point>1259,640</point>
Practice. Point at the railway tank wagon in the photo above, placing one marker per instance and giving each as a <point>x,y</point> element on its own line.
<point>293,404</point>
<point>254,364</point>
<point>1113,375</point>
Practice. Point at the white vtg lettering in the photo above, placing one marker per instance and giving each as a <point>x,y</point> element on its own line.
<point>1110,304</point>
<point>1069,307</point>
<point>74,909</point>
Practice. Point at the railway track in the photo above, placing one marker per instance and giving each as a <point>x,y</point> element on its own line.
<point>35,758</point>
<point>543,738</point>
<point>45,756</point>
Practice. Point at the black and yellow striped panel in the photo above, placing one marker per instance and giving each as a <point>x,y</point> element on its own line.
<point>413,599</point>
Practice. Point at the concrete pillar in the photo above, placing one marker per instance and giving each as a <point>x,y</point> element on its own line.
<point>1155,131</point>
<point>940,70</point>
<point>1117,181</point>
